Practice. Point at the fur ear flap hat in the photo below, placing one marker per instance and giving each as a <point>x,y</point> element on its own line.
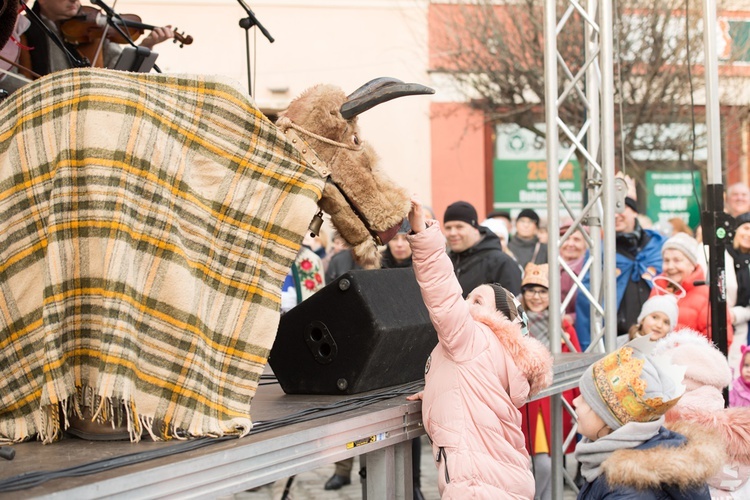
<point>632,385</point>
<point>704,363</point>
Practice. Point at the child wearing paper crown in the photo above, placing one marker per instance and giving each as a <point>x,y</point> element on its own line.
<point>626,452</point>
<point>482,371</point>
<point>658,317</point>
<point>739,395</point>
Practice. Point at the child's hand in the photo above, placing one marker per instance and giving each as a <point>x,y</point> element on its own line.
<point>416,216</point>
<point>416,397</point>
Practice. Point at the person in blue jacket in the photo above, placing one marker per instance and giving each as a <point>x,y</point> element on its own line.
<point>626,451</point>
<point>638,260</point>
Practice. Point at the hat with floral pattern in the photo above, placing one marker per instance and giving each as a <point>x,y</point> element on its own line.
<point>632,385</point>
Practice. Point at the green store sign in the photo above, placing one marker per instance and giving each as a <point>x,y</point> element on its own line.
<point>673,194</point>
<point>520,172</point>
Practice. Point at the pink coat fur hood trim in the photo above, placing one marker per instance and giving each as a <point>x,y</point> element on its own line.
<point>707,373</point>
<point>703,404</point>
<point>706,369</point>
<point>531,356</point>
<point>732,424</point>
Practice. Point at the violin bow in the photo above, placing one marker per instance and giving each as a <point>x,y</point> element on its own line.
<point>19,66</point>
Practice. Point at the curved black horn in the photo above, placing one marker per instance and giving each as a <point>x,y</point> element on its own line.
<point>378,91</point>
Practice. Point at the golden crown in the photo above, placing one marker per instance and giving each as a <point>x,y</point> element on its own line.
<point>618,378</point>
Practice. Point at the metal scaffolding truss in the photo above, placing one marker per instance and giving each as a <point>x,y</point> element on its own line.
<point>593,141</point>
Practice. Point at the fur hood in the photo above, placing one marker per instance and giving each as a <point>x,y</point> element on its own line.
<point>732,424</point>
<point>530,356</point>
<point>686,466</point>
<point>703,404</point>
<point>704,363</point>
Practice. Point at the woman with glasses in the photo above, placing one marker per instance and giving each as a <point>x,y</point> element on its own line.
<point>536,415</point>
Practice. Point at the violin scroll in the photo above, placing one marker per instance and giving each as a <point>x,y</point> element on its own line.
<point>181,38</point>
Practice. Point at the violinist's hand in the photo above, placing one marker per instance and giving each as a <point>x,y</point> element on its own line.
<point>157,35</point>
<point>415,397</point>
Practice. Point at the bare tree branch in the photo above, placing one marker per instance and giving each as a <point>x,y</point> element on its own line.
<point>494,51</point>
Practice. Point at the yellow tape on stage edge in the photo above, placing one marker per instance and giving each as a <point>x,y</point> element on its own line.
<point>367,440</point>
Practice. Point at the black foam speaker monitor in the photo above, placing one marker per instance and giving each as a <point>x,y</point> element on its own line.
<point>365,331</point>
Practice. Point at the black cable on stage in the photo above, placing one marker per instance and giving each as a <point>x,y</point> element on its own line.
<point>31,479</point>
<point>36,478</point>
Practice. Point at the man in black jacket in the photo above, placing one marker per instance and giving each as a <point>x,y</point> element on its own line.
<point>475,251</point>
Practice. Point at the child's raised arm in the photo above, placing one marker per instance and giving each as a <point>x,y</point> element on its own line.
<point>441,292</point>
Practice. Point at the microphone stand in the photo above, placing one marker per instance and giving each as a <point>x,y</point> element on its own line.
<point>247,23</point>
<point>141,52</point>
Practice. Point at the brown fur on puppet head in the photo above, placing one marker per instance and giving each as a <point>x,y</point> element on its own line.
<point>356,183</point>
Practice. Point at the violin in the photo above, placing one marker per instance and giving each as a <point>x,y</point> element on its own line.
<point>86,29</point>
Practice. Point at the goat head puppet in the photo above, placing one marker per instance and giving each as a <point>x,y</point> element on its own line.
<point>365,206</point>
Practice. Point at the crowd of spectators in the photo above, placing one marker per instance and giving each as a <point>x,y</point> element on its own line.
<point>662,294</point>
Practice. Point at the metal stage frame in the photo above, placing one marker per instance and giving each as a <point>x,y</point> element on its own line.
<point>594,141</point>
<point>381,431</point>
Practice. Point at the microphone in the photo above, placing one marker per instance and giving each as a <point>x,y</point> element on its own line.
<point>112,18</point>
<point>106,8</point>
<point>101,20</point>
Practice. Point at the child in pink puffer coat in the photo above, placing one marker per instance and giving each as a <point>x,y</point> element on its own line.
<point>478,376</point>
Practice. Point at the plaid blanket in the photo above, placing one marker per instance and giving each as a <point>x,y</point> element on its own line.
<point>147,225</point>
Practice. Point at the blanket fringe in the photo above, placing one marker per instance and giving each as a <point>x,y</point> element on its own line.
<point>85,404</point>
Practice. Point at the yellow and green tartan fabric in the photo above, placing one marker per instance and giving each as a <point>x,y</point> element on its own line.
<point>147,225</point>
